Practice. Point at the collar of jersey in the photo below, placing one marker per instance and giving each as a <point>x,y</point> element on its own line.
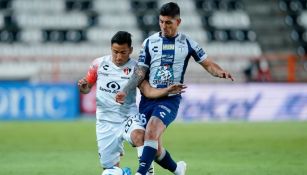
<point>171,38</point>
<point>120,67</point>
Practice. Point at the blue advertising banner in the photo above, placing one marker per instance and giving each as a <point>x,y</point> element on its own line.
<point>249,102</point>
<point>226,102</point>
<point>25,101</point>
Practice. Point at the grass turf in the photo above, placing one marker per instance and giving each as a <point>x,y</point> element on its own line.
<point>238,148</point>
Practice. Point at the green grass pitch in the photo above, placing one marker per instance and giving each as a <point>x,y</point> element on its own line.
<point>235,148</point>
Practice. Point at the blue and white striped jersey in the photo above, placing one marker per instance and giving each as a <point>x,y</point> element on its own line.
<point>167,58</point>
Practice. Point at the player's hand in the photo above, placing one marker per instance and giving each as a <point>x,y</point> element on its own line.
<point>176,89</point>
<point>226,75</point>
<point>83,86</point>
<point>82,83</point>
<point>120,97</point>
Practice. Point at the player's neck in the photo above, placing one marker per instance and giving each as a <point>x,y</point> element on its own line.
<point>120,65</point>
<point>169,37</point>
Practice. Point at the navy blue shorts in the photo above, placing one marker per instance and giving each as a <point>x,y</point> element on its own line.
<point>165,109</point>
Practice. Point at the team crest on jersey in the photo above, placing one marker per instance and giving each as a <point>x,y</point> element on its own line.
<point>181,47</point>
<point>127,70</point>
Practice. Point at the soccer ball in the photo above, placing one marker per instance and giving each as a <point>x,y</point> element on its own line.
<point>113,171</point>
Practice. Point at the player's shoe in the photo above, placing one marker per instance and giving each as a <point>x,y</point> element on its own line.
<point>151,170</point>
<point>181,168</point>
<point>127,171</point>
<point>138,174</point>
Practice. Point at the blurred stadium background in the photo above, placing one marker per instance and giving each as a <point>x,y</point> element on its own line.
<point>47,45</point>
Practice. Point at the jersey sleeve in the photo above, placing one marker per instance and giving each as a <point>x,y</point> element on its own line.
<point>196,51</point>
<point>144,56</point>
<point>91,76</point>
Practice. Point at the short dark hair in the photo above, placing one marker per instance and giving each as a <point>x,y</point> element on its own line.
<point>122,37</point>
<point>170,9</point>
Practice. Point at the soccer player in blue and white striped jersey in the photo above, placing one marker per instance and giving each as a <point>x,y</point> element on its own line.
<point>163,61</point>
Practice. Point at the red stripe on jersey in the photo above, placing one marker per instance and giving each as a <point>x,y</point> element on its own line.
<point>91,76</point>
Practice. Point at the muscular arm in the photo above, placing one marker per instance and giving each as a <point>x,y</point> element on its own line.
<point>215,70</point>
<point>151,92</point>
<point>136,78</point>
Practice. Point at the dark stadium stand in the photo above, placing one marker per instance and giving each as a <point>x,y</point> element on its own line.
<point>297,19</point>
<point>225,20</point>
<point>73,32</point>
<point>147,15</point>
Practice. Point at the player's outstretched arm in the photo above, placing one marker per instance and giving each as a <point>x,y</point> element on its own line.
<point>215,70</point>
<point>84,86</point>
<point>136,78</point>
<point>151,92</point>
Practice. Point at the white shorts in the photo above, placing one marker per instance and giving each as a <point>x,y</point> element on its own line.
<point>110,138</point>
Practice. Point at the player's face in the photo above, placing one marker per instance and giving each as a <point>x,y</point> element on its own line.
<point>169,25</point>
<point>120,53</point>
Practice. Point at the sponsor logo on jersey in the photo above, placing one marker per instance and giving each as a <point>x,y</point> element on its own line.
<point>112,87</point>
<point>168,47</point>
<point>199,51</point>
<point>125,78</point>
<point>105,67</point>
<point>102,73</point>
<point>155,49</point>
<point>168,58</point>
<point>163,83</point>
<point>141,58</point>
<point>164,76</point>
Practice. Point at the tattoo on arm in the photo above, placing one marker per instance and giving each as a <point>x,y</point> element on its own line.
<point>136,78</point>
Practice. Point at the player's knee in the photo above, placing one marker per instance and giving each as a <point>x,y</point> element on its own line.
<point>154,129</point>
<point>137,137</point>
<point>106,162</point>
<point>151,135</point>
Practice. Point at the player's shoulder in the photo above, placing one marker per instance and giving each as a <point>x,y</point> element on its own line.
<point>132,62</point>
<point>153,38</point>
<point>185,37</point>
<point>99,60</point>
<point>106,58</point>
